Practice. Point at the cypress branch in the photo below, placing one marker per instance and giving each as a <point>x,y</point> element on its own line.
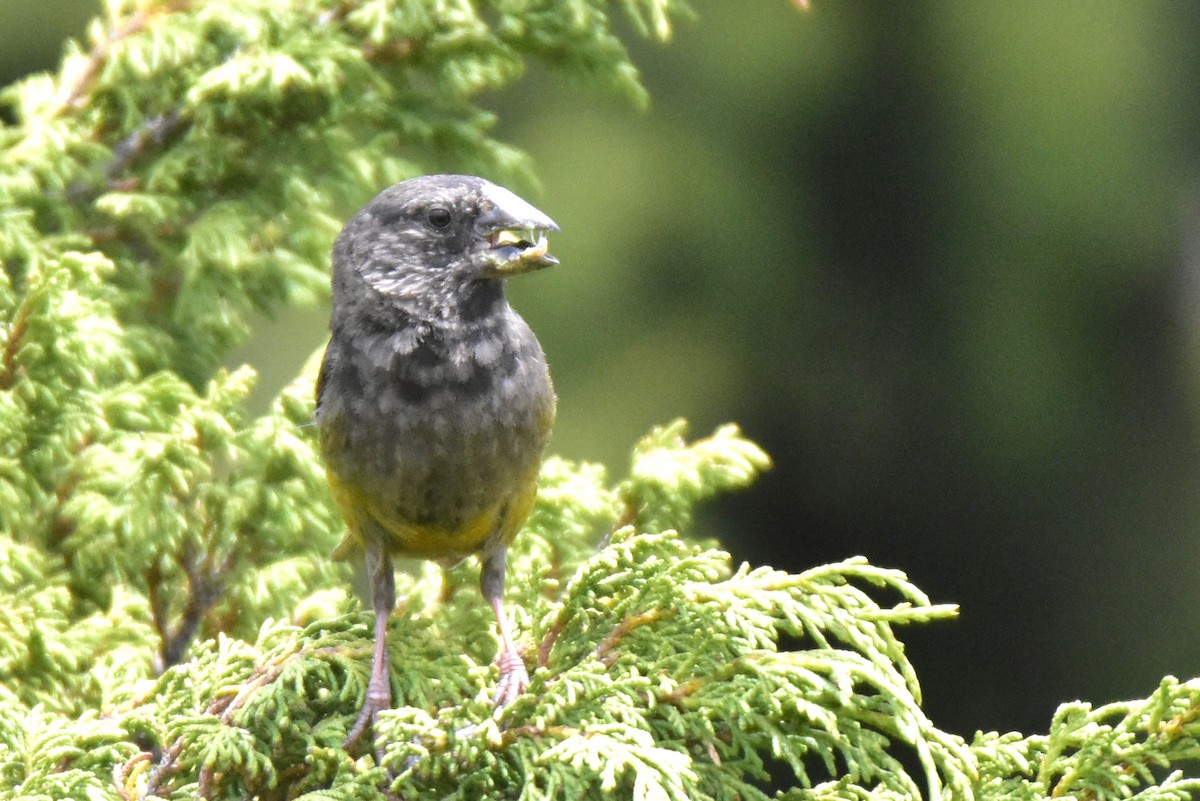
<point>170,624</point>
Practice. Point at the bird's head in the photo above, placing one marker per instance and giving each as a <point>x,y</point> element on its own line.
<point>437,241</point>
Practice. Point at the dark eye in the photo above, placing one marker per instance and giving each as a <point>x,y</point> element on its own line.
<point>438,217</point>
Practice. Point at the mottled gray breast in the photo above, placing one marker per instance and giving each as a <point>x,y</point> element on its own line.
<point>440,420</point>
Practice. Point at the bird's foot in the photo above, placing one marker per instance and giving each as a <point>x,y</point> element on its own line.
<point>375,702</point>
<point>514,678</point>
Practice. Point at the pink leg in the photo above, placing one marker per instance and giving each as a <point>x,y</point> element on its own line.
<point>379,689</point>
<point>514,678</point>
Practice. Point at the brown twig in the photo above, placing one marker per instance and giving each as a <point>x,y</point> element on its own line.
<point>547,644</point>
<point>388,51</point>
<point>1174,727</point>
<point>604,649</point>
<point>61,526</point>
<point>628,517</point>
<point>121,774</point>
<point>205,583</point>
<point>158,604</point>
<point>167,766</point>
<point>70,97</point>
<point>511,735</point>
<point>685,689</point>
<point>225,706</point>
<point>151,133</point>
<point>12,343</point>
<point>1167,731</point>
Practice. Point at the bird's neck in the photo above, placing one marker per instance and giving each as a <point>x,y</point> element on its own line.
<point>482,299</point>
<point>481,304</point>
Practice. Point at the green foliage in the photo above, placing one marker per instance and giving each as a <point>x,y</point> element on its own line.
<point>187,167</point>
<point>170,624</point>
<point>209,150</point>
<point>1125,750</point>
<point>659,672</point>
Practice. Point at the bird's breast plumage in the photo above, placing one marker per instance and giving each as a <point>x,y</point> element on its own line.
<point>435,429</point>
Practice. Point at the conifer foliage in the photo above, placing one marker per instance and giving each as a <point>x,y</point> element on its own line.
<point>170,623</point>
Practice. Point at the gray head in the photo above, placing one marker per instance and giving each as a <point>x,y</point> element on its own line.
<point>429,245</point>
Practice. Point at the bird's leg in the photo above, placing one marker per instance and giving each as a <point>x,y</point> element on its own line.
<point>383,597</point>
<point>514,679</point>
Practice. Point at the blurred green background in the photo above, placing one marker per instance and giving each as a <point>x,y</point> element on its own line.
<point>940,260</point>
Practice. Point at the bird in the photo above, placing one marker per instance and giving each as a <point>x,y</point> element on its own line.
<point>434,402</point>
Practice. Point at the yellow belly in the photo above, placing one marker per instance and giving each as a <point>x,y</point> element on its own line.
<point>495,525</point>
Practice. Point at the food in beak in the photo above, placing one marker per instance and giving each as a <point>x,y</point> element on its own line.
<point>529,241</point>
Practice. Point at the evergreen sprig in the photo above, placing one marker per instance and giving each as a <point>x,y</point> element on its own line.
<point>1132,749</point>
<point>658,674</point>
<point>187,166</point>
<point>170,624</point>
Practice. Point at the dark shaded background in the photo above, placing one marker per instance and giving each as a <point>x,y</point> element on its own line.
<point>940,260</point>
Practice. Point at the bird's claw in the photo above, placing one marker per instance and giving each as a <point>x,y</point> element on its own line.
<point>514,678</point>
<point>374,703</point>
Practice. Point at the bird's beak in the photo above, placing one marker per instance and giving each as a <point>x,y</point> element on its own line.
<point>514,235</point>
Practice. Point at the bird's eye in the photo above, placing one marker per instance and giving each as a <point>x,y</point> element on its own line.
<point>438,217</point>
